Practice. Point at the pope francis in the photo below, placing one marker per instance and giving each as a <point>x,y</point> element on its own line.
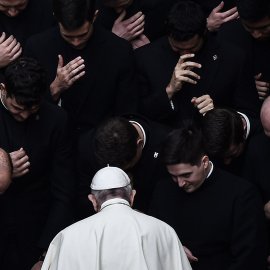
<point>117,237</point>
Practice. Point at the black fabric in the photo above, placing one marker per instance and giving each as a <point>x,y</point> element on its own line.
<point>39,204</point>
<point>222,222</point>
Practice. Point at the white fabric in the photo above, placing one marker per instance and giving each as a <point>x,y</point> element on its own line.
<point>109,177</point>
<point>117,238</point>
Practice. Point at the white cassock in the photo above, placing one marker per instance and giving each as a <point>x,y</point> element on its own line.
<point>117,238</point>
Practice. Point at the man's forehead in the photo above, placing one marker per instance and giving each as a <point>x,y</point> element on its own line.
<point>119,3</point>
<point>12,3</point>
<point>265,22</point>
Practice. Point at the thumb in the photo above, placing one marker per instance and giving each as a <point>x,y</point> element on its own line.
<point>193,100</point>
<point>60,61</point>
<point>121,16</point>
<point>257,77</point>
<point>219,7</point>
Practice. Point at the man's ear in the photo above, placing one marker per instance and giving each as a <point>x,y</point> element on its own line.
<point>133,193</point>
<point>140,143</point>
<point>244,126</point>
<point>92,198</point>
<point>205,161</point>
<point>95,16</point>
<point>3,89</point>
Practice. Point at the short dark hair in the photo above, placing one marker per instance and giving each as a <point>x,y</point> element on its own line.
<point>183,145</point>
<point>116,142</point>
<point>253,10</point>
<point>72,14</point>
<point>185,20</point>
<point>25,80</point>
<point>221,128</point>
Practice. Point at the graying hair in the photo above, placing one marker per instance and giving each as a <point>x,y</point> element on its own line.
<point>106,194</point>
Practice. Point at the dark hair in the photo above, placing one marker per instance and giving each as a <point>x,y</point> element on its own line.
<point>72,14</point>
<point>221,128</point>
<point>185,20</point>
<point>183,145</point>
<point>25,80</point>
<point>253,10</point>
<point>116,142</point>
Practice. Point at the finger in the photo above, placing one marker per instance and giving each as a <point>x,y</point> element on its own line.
<point>262,94</point>
<point>3,37</point>
<point>230,12</point>
<point>76,70</point>
<point>9,40</point>
<point>139,22</point>
<point>188,80</point>
<point>137,27</point>
<point>184,57</point>
<point>17,154</point>
<point>207,108</point>
<point>15,48</point>
<point>204,104</point>
<point>258,76</point>
<point>136,34</point>
<point>144,39</point>
<point>75,78</point>
<point>190,65</point>
<point>74,63</point>
<point>23,166</point>
<point>21,162</point>
<point>190,74</point>
<point>121,17</point>
<point>19,174</point>
<point>232,17</point>
<point>134,18</point>
<point>17,54</point>
<point>203,98</point>
<point>219,7</point>
<point>193,100</point>
<point>60,61</point>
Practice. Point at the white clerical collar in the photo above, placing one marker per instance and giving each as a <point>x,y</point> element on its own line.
<point>114,201</point>
<point>144,135</point>
<point>2,100</point>
<point>211,170</point>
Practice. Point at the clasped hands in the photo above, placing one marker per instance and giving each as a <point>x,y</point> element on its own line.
<point>131,29</point>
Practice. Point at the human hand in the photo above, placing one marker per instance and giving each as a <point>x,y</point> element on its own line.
<point>190,256</point>
<point>130,28</point>
<point>203,103</point>
<point>20,163</point>
<point>182,73</point>
<point>37,266</point>
<point>66,75</point>
<point>262,87</point>
<point>140,41</point>
<point>10,49</point>
<point>216,17</point>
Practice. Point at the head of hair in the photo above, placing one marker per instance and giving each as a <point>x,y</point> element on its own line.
<point>185,20</point>
<point>183,145</point>
<point>25,80</point>
<point>253,10</point>
<point>116,142</point>
<point>107,194</point>
<point>221,128</point>
<point>72,14</point>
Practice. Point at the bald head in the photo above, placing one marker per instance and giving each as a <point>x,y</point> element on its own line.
<point>5,171</point>
<point>265,116</point>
